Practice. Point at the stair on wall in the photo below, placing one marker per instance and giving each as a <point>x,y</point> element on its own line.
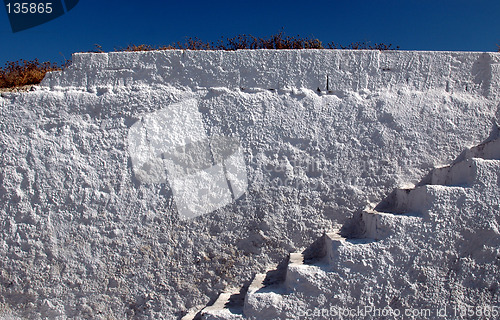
<point>401,208</point>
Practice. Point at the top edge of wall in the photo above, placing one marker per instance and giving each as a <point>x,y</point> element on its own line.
<point>321,70</point>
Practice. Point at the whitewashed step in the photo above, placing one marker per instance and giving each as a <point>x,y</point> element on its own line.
<point>296,261</point>
<point>306,278</point>
<point>332,242</point>
<point>463,173</point>
<point>223,307</point>
<point>485,172</point>
<point>489,151</point>
<point>191,315</point>
<point>222,314</point>
<point>261,300</point>
<point>334,245</point>
<point>401,201</point>
<point>417,202</point>
<point>380,225</point>
<point>457,174</point>
<point>302,277</point>
<point>264,288</point>
<point>257,284</point>
<point>228,306</point>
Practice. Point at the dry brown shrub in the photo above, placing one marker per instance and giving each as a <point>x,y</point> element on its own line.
<point>23,72</point>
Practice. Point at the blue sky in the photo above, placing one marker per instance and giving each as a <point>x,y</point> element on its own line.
<point>454,25</point>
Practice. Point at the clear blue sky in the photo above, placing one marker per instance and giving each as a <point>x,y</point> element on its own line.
<point>456,25</point>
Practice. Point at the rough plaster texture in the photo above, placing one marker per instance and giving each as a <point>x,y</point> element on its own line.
<point>83,237</point>
<point>431,252</point>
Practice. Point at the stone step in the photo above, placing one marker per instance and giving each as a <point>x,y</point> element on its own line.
<point>255,294</point>
<point>484,171</point>
<point>257,284</point>
<point>417,201</point>
<point>308,277</point>
<point>380,225</point>
<point>462,173</point>
<point>332,241</point>
<point>401,201</point>
<point>489,150</point>
<point>296,258</point>
<point>456,174</point>
<point>296,261</point>
<point>229,305</point>
<point>270,284</point>
<point>335,243</point>
<point>193,314</point>
<point>305,278</point>
<point>403,207</point>
<point>224,314</point>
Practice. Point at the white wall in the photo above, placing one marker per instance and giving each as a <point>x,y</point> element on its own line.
<point>347,70</point>
<point>81,235</point>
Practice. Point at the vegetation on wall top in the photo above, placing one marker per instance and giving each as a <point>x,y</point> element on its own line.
<point>22,72</point>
